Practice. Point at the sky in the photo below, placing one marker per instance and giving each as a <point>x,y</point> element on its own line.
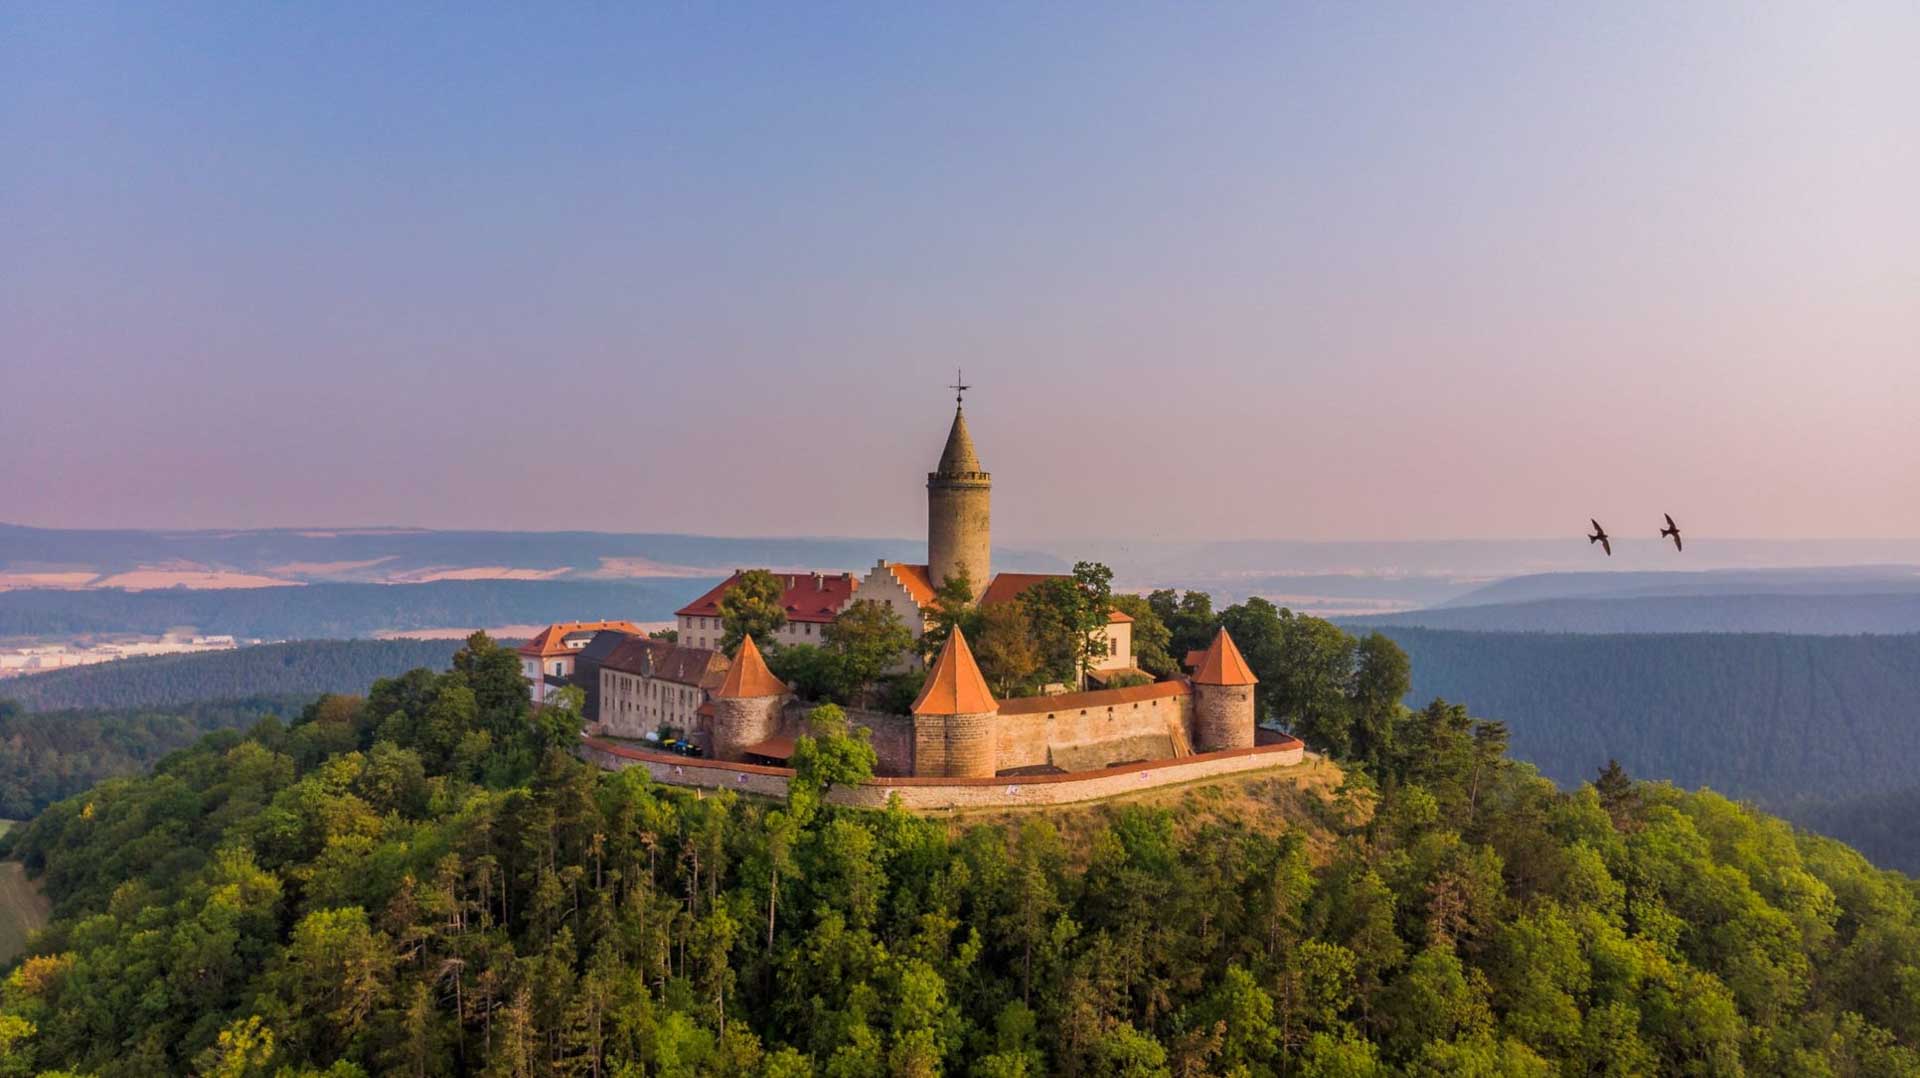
<point>1317,271</point>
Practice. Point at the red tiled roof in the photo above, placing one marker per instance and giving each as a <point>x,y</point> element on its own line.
<point>914,578</point>
<point>749,676</point>
<point>1194,658</point>
<point>552,640</point>
<point>954,685</point>
<point>814,597</point>
<point>1223,664</point>
<point>677,663</point>
<point>1006,587</point>
<point>1074,701</point>
<point>777,747</point>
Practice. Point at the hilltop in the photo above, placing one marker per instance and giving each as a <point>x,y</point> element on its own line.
<point>424,880</point>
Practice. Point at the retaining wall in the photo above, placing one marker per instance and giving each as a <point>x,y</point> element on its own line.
<point>943,794</point>
<point>1108,731</point>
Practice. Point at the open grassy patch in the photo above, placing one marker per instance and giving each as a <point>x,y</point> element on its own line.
<point>23,909</point>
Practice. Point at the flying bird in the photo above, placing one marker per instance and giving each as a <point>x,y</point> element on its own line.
<point>1600,536</point>
<point>1673,530</point>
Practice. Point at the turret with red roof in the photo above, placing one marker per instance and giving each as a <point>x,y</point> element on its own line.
<point>1223,697</point>
<point>953,720</point>
<point>748,705</point>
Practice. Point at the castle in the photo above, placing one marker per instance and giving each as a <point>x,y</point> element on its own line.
<point>740,711</point>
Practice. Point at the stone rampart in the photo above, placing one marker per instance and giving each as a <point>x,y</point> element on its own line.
<point>951,794</point>
<point>1084,722</point>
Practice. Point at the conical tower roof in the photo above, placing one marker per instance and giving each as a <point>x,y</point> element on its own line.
<point>1222,664</point>
<point>954,685</point>
<point>749,676</point>
<point>959,455</point>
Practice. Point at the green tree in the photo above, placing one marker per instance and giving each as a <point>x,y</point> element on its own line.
<point>559,721</point>
<point>1065,615</point>
<point>952,606</point>
<point>335,973</point>
<point>1189,619</point>
<point>869,638</point>
<point>1004,648</point>
<point>1308,690</point>
<point>816,673</point>
<point>828,755</point>
<point>1151,637</point>
<point>752,608</point>
<point>1616,792</point>
<point>1382,676</point>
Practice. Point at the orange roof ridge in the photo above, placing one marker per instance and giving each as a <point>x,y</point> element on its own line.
<point>749,676</point>
<point>549,641</point>
<point>954,685</point>
<point>914,579</point>
<point>1223,664</point>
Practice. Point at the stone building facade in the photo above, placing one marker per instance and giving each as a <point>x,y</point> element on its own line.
<point>646,684</point>
<point>547,660</point>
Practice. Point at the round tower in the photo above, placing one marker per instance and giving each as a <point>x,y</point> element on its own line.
<point>958,536</point>
<point>747,707</point>
<point>1223,698</point>
<point>954,732</point>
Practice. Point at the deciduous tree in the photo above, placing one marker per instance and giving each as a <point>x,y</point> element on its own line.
<point>752,608</point>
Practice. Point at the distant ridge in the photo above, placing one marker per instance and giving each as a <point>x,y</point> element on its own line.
<point>1816,580</point>
<point>320,611</point>
<point>394,555</point>
<point>302,669</point>
<point>1816,615</point>
<point>1771,717</point>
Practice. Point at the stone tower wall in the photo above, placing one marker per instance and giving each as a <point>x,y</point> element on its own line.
<point>1222,717</point>
<point>958,533</point>
<point>739,721</point>
<point>954,746</point>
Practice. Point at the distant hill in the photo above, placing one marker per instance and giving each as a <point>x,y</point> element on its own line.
<point>1802,614</point>
<point>1880,825</point>
<point>302,669</point>
<point>1770,717</point>
<point>318,611</point>
<point>1830,580</point>
<point>47,756</point>
<point>388,555</point>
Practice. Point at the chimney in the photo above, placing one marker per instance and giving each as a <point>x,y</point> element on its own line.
<point>818,583</point>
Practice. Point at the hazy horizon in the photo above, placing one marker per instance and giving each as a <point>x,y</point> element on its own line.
<point>1393,273</point>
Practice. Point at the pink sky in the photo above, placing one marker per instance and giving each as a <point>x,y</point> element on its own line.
<point>1318,273</point>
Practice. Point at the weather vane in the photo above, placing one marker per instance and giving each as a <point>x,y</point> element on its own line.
<point>959,387</point>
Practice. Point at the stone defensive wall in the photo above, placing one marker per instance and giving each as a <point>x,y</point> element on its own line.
<point>948,794</point>
<point>1079,731</point>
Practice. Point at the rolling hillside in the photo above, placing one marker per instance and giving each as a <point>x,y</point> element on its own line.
<point>331,611</point>
<point>301,669</point>
<point>1771,717</point>
<point>1823,615</point>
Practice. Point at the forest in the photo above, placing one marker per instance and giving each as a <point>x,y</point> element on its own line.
<point>304,668</point>
<point>1768,717</point>
<point>47,756</point>
<point>1880,825</point>
<point>424,881</point>
<point>330,610</point>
